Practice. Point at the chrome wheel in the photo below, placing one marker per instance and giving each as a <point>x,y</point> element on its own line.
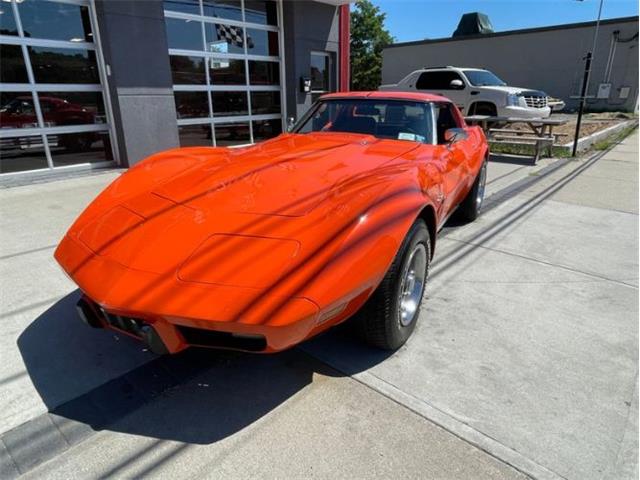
<point>482,180</point>
<point>412,285</point>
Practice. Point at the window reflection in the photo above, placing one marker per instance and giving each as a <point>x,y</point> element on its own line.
<point>17,110</point>
<point>55,21</point>
<point>320,70</point>
<point>184,34</point>
<point>227,72</point>
<point>229,103</point>
<point>195,135</point>
<point>229,9</point>
<point>228,134</point>
<point>184,6</point>
<point>266,129</point>
<point>262,42</point>
<point>221,38</point>
<point>74,148</point>
<point>22,153</point>
<point>7,22</point>
<point>264,73</point>
<point>12,69</point>
<point>191,104</point>
<point>265,102</point>
<point>187,70</point>
<point>72,108</point>
<point>262,12</point>
<point>63,65</point>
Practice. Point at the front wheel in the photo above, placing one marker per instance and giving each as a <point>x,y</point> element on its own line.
<point>471,206</point>
<point>389,317</point>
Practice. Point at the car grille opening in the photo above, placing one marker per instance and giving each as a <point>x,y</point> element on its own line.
<point>535,101</point>
<point>212,338</point>
<point>128,325</point>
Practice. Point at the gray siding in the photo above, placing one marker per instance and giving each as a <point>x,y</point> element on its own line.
<point>134,44</point>
<point>308,26</point>
<point>545,59</point>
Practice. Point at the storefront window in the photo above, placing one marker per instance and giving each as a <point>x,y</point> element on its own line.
<point>63,65</point>
<point>192,104</point>
<point>12,69</point>
<point>229,103</point>
<point>264,73</point>
<point>195,135</point>
<point>227,65</point>
<point>264,13</point>
<point>55,21</point>
<point>52,108</point>
<point>7,22</point>
<point>188,70</point>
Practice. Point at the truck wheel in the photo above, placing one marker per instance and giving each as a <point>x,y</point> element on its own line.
<point>470,207</point>
<point>389,316</point>
<point>484,108</point>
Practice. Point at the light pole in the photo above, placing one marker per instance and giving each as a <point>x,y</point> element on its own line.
<point>585,80</point>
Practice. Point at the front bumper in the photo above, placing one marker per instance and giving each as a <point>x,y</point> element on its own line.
<point>150,306</point>
<point>524,112</point>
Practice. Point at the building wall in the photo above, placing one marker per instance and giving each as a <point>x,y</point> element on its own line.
<point>134,45</point>
<point>547,59</point>
<point>308,26</point>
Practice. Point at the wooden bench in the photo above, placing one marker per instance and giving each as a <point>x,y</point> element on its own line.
<point>540,143</point>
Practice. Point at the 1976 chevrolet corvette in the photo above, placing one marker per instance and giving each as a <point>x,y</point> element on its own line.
<point>259,248</point>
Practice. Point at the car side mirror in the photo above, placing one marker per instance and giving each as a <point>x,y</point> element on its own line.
<point>291,121</point>
<point>456,84</point>
<point>453,135</point>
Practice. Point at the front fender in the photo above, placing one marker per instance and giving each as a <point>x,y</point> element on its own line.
<point>367,249</point>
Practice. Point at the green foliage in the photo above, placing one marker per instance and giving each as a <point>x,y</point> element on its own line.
<point>368,38</point>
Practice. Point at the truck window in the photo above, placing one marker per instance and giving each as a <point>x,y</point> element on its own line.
<point>436,80</point>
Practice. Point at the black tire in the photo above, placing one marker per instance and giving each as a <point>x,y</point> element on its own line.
<point>471,206</point>
<point>380,320</point>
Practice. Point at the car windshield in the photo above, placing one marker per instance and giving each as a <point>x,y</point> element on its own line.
<point>394,119</point>
<point>483,78</point>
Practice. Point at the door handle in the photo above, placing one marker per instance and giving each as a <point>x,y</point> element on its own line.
<point>475,92</point>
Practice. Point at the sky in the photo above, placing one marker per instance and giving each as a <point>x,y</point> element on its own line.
<point>409,20</point>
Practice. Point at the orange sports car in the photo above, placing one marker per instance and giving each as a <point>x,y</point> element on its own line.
<point>261,247</point>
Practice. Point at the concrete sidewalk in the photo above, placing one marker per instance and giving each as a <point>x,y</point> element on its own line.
<point>526,355</point>
<point>528,342</point>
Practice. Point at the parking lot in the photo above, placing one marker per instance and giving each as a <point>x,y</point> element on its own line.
<point>524,362</point>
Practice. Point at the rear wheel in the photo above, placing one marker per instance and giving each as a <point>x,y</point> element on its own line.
<point>389,317</point>
<point>471,206</point>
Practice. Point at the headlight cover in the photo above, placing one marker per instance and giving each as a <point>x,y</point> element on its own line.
<point>513,100</point>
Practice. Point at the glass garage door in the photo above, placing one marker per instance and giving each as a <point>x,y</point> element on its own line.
<point>52,104</point>
<point>225,62</point>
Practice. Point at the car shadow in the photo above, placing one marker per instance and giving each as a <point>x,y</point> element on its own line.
<point>527,160</point>
<point>103,381</point>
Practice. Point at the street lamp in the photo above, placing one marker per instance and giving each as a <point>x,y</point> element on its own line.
<point>585,79</point>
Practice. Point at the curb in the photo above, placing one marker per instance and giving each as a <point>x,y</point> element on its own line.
<point>585,143</point>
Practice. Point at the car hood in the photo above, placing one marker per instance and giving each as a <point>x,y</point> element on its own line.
<point>267,191</point>
<point>286,177</point>
<point>516,90</point>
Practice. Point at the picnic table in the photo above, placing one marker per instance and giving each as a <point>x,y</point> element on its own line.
<point>541,134</point>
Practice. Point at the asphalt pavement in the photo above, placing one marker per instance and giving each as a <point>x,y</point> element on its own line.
<point>524,361</point>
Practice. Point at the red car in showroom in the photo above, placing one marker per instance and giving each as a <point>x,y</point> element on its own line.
<point>261,247</point>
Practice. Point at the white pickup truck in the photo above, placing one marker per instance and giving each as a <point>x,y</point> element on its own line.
<point>476,92</point>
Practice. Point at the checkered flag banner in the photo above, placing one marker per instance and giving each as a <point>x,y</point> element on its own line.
<point>232,35</point>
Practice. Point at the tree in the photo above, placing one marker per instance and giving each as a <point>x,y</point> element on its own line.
<point>368,38</point>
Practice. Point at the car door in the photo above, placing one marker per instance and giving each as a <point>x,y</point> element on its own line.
<point>456,156</point>
<point>439,82</point>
